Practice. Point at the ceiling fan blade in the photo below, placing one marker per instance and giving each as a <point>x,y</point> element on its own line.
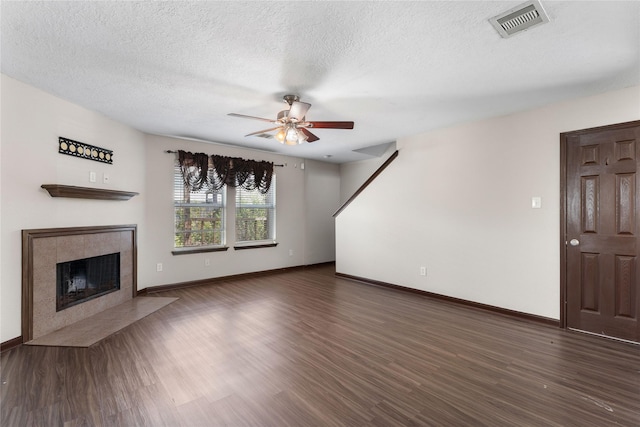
<point>310,137</point>
<point>331,125</point>
<point>242,116</point>
<point>263,131</point>
<point>298,110</point>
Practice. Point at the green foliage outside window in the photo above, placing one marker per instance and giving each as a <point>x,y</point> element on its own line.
<point>252,224</point>
<point>198,226</point>
<point>255,214</point>
<point>198,215</point>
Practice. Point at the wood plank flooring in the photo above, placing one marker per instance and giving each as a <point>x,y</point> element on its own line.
<point>304,348</point>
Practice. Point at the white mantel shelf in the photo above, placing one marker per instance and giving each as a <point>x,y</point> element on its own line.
<point>57,190</point>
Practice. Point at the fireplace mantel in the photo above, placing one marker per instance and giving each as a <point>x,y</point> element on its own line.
<point>57,190</point>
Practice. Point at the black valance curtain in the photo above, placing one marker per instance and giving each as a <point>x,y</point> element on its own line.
<point>200,170</point>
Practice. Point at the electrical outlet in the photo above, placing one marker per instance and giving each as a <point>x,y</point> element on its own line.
<point>92,177</point>
<point>536,202</point>
<point>105,178</point>
<point>159,266</point>
<point>423,271</point>
<point>207,262</point>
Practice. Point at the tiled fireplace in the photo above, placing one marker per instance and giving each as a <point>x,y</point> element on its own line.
<point>80,258</point>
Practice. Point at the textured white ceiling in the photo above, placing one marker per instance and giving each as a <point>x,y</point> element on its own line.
<point>394,68</point>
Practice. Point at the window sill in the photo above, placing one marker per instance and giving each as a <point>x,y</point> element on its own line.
<point>257,246</point>
<point>199,250</point>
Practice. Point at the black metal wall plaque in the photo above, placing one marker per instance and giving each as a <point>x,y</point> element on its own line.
<point>85,151</point>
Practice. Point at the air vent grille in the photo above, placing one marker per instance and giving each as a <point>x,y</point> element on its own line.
<point>264,135</point>
<point>519,19</point>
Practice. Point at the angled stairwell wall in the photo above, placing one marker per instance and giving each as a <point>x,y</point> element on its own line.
<point>458,202</point>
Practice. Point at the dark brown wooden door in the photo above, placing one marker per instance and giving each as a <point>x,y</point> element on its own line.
<point>602,228</point>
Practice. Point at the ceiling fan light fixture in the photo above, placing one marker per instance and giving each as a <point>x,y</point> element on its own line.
<point>280,136</point>
<point>302,138</point>
<point>292,135</point>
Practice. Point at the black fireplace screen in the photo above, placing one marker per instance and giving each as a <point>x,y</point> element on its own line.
<point>85,279</point>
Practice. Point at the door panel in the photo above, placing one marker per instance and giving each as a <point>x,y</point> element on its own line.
<point>601,256</point>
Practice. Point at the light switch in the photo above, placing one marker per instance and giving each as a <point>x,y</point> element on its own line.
<point>536,202</point>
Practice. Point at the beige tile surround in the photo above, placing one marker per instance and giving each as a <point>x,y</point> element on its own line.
<point>46,251</point>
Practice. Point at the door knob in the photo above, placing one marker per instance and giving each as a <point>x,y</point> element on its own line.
<point>574,242</point>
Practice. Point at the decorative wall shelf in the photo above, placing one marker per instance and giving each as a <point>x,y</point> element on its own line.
<point>56,190</point>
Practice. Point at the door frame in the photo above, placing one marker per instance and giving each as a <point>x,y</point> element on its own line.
<point>564,137</point>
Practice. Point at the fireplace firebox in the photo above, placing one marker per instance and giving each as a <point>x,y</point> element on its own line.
<point>84,279</point>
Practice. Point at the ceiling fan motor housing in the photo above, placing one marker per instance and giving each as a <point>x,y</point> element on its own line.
<point>290,99</point>
<point>283,115</point>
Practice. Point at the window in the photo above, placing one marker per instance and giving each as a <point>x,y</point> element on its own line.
<point>201,183</point>
<point>256,214</point>
<point>199,215</point>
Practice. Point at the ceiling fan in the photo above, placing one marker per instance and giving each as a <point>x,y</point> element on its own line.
<point>291,124</point>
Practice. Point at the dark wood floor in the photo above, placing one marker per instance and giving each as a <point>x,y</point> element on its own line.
<point>305,348</point>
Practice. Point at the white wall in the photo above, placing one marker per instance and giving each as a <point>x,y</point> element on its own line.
<point>290,219</point>
<point>322,192</point>
<point>354,174</point>
<point>458,201</point>
<point>31,122</point>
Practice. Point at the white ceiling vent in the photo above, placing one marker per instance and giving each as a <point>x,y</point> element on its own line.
<point>520,18</point>
<point>264,135</point>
